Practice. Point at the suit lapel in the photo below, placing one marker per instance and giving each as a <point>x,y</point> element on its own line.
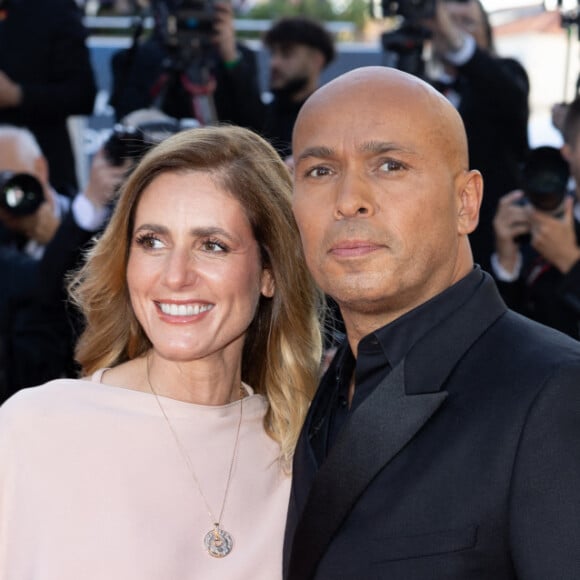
<point>383,424</point>
<point>377,430</point>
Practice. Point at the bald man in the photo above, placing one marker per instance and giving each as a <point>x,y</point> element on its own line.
<point>444,440</point>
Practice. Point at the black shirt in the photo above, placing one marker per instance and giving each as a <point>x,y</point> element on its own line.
<point>384,348</point>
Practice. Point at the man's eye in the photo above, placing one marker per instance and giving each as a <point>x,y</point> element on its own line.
<point>318,172</point>
<point>390,165</point>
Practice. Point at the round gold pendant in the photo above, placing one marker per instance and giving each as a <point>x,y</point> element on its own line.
<point>218,543</point>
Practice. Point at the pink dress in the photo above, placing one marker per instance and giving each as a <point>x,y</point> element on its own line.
<point>93,487</point>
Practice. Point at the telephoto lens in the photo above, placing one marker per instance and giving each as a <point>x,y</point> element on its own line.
<point>545,179</point>
<point>20,193</point>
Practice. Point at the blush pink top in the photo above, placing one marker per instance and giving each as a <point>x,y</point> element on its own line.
<point>93,487</point>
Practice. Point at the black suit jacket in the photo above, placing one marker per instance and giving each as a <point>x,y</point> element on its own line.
<point>43,48</point>
<point>464,463</point>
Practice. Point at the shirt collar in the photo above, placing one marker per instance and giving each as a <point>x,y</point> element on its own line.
<point>396,338</point>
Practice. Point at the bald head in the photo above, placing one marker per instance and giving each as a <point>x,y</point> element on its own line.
<point>20,153</point>
<point>396,93</point>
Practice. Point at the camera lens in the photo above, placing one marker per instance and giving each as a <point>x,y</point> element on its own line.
<point>20,193</point>
<point>546,176</point>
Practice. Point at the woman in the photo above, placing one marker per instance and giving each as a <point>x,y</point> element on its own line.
<point>169,460</point>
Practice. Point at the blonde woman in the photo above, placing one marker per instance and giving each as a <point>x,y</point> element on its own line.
<point>169,458</point>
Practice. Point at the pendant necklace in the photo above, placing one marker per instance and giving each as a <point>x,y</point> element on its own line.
<point>218,542</point>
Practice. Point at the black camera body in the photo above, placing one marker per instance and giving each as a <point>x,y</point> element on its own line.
<point>411,10</point>
<point>20,193</point>
<point>403,46</point>
<point>545,179</point>
<point>185,26</point>
<point>132,141</point>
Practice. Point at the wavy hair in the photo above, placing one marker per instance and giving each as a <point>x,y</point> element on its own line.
<point>282,350</point>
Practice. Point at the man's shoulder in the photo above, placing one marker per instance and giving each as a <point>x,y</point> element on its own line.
<point>533,343</point>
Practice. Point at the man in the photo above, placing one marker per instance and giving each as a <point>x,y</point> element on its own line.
<point>444,437</point>
<point>35,252</point>
<point>540,277</point>
<point>46,76</point>
<point>491,95</point>
<point>300,49</point>
<point>158,72</point>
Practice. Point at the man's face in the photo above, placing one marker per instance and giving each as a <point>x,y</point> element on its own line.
<point>292,65</point>
<point>468,16</point>
<point>376,198</point>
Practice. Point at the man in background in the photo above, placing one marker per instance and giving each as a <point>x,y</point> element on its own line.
<point>537,252</point>
<point>300,49</point>
<point>491,95</point>
<point>36,250</point>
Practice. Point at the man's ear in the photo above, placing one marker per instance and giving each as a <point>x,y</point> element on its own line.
<point>470,195</point>
<point>268,286</point>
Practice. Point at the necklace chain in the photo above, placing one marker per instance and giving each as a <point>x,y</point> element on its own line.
<point>217,541</point>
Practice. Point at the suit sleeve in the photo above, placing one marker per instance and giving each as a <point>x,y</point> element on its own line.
<point>544,506</point>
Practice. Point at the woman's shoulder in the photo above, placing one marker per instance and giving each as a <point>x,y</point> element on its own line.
<point>38,398</point>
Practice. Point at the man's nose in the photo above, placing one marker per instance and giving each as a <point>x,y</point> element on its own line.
<point>354,197</point>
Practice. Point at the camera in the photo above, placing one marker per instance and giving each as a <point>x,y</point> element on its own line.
<point>20,193</point>
<point>403,46</point>
<point>545,177</point>
<point>409,9</point>
<point>125,142</point>
<point>139,131</point>
<point>185,26</point>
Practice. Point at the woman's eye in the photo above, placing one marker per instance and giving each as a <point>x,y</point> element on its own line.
<point>214,246</point>
<point>149,242</point>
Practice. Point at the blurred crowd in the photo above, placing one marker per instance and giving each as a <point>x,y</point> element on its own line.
<point>529,230</point>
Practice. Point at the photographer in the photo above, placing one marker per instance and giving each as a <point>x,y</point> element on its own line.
<point>36,250</point>
<point>491,95</point>
<point>43,339</point>
<point>30,211</point>
<point>537,257</point>
<point>166,69</point>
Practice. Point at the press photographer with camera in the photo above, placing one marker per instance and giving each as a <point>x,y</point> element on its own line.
<point>42,233</point>
<point>537,235</point>
<point>188,66</point>
<point>490,93</point>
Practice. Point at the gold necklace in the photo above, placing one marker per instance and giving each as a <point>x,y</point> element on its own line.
<point>218,542</point>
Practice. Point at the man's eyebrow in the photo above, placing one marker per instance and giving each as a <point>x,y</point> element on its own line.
<point>377,147</point>
<point>372,147</point>
<point>319,152</point>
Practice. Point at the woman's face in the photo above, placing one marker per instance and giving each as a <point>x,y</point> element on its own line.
<point>194,272</point>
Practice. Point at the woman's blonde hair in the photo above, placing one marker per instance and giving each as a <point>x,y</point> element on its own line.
<point>282,349</point>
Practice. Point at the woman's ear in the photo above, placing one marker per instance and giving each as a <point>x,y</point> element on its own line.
<point>268,286</point>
